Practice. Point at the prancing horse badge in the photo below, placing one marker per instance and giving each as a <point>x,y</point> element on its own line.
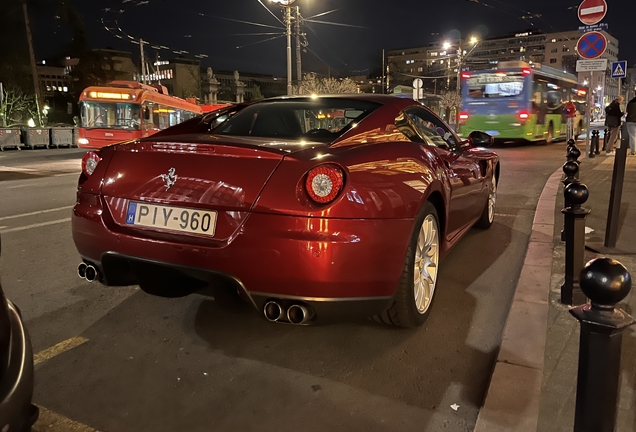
<point>169,179</point>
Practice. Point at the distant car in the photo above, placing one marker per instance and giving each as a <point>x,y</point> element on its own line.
<point>16,370</point>
<point>316,207</point>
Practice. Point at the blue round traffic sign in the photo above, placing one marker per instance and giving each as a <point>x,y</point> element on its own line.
<point>591,45</point>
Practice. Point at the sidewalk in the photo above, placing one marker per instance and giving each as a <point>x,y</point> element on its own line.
<point>558,393</point>
<point>533,386</point>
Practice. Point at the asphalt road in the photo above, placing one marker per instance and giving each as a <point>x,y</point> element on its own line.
<point>133,362</point>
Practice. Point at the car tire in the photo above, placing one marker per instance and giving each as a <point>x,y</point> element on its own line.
<point>412,302</point>
<point>488,214</point>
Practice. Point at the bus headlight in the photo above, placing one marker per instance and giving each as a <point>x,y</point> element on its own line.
<point>82,141</point>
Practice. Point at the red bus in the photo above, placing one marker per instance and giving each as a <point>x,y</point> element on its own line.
<point>128,110</point>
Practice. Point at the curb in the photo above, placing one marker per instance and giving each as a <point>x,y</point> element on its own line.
<point>512,398</point>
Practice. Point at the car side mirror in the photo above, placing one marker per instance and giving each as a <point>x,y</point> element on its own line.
<point>480,139</point>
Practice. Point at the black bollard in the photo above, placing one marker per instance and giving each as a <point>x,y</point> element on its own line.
<point>616,192</point>
<point>594,150</point>
<point>605,137</point>
<point>573,154</point>
<point>570,169</point>
<point>606,282</point>
<point>575,194</point>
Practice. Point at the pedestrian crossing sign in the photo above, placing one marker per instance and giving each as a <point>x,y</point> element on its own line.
<point>619,69</point>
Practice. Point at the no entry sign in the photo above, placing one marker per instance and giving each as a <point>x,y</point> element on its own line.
<point>591,45</point>
<point>592,11</point>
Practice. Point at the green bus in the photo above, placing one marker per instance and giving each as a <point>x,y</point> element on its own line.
<point>521,101</point>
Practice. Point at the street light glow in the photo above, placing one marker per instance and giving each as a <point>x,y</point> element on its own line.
<point>473,40</point>
<point>446,45</point>
<point>283,2</point>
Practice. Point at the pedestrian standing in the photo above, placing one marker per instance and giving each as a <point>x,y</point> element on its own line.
<point>613,116</point>
<point>630,121</point>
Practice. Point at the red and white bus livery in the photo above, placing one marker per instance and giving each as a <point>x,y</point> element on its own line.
<point>127,110</point>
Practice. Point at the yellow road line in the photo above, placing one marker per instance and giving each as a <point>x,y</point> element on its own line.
<point>58,349</point>
<point>50,421</point>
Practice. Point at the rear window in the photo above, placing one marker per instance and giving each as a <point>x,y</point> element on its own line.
<point>321,119</point>
<point>495,85</point>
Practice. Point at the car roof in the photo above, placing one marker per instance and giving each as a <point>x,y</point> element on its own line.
<point>372,97</point>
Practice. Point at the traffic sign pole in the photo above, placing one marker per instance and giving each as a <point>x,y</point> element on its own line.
<point>590,103</point>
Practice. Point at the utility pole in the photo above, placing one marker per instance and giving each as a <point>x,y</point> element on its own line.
<point>289,49</point>
<point>383,71</point>
<point>34,71</point>
<point>299,71</point>
<point>143,61</point>
<point>158,69</point>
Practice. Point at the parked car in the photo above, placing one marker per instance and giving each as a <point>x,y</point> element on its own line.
<point>316,207</point>
<point>16,370</point>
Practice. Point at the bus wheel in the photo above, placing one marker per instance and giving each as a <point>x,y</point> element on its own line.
<point>549,138</point>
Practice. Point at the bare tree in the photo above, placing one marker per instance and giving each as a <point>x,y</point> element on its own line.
<point>311,84</point>
<point>17,106</point>
<point>448,101</point>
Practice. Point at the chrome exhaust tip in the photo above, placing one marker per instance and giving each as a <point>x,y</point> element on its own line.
<point>298,314</point>
<point>91,274</point>
<point>273,311</point>
<point>81,270</point>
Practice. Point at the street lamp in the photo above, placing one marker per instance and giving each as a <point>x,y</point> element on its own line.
<point>286,4</point>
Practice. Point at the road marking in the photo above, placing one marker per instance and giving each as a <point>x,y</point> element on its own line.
<point>13,169</point>
<point>19,186</point>
<point>66,174</point>
<point>50,421</point>
<point>36,213</point>
<point>58,349</point>
<point>37,225</point>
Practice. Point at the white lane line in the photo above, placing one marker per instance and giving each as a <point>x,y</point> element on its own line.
<point>14,169</point>
<point>10,230</point>
<point>20,186</point>
<point>67,174</point>
<point>36,212</point>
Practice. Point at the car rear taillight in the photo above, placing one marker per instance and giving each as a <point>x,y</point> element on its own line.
<point>324,183</point>
<point>527,71</point>
<point>465,75</point>
<point>523,115</point>
<point>89,163</point>
<point>463,116</point>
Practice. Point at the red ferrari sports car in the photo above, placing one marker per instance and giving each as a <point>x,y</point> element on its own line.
<point>315,207</point>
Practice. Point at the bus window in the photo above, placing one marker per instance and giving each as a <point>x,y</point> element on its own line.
<point>493,85</point>
<point>109,115</point>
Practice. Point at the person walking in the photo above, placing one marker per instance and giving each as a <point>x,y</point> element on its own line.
<point>630,121</point>
<point>613,116</point>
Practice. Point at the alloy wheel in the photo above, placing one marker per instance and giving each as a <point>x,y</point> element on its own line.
<point>492,199</point>
<point>426,264</point>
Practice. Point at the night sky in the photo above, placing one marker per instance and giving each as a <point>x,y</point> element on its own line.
<point>211,27</point>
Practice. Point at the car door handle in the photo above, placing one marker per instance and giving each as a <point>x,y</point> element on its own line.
<point>447,164</point>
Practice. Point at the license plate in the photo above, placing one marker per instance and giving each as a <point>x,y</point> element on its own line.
<point>171,218</point>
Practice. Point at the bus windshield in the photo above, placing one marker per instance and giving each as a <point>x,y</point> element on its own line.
<point>494,85</point>
<point>110,115</point>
